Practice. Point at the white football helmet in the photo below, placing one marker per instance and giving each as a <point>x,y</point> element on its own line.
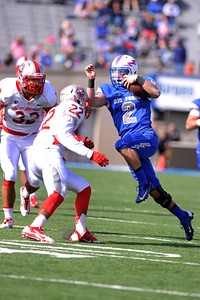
<point>122,65</point>
<point>77,94</point>
<point>19,62</point>
<point>31,77</point>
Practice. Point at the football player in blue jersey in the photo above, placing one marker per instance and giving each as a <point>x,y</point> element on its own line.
<point>132,118</point>
<point>193,122</point>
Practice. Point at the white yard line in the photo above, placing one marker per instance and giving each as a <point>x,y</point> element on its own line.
<point>101,285</point>
<point>89,251</point>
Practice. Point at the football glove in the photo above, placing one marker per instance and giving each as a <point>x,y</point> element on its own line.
<point>100,159</point>
<point>88,143</point>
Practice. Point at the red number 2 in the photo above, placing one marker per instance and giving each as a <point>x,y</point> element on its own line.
<point>50,115</point>
<point>77,110</point>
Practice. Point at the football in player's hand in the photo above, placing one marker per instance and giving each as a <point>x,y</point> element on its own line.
<point>137,90</point>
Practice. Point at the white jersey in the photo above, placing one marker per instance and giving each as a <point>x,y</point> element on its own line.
<point>22,117</point>
<point>58,127</point>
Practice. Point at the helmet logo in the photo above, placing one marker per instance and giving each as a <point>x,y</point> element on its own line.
<point>130,63</point>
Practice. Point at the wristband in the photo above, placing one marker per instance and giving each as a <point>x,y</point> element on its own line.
<point>198,122</point>
<point>140,81</point>
<point>91,83</point>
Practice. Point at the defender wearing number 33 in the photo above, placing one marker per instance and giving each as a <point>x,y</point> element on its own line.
<point>23,100</point>
<point>131,114</point>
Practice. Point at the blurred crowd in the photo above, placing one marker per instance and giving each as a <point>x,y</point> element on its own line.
<point>167,133</point>
<point>140,28</point>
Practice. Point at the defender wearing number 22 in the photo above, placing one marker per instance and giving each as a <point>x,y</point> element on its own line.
<point>128,100</point>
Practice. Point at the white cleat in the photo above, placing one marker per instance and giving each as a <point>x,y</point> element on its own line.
<point>87,237</point>
<point>34,202</point>
<point>37,234</point>
<point>7,223</point>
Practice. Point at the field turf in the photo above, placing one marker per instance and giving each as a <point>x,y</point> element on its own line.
<point>143,253</point>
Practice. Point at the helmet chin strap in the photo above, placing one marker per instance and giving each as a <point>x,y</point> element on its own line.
<point>28,96</point>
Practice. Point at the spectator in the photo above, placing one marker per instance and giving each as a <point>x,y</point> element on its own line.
<point>168,134</point>
<point>179,55</point>
<point>162,149</point>
<point>132,30</point>
<point>103,9</point>
<point>8,60</point>
<point>104,49</point>
<point>164,53</point>
<point>116,15</point>
<point>101,28</point>
<point>131,5</point>
<point>68,43</point>
<point>146,41</point>
<point>162,27</point>
<point>171,10</point>
<point>18,47</point>
<point>83,8</point>
<point>122,43</point>
<point>189,68</point>
<point>173,132</point>
<point>154,7</point>
<point>35,51</point>
<point>46,58</point>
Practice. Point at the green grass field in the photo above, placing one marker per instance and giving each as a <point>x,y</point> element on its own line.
<point>143,253</point>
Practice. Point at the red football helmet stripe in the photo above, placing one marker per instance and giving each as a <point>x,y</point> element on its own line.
<point>37,68</point>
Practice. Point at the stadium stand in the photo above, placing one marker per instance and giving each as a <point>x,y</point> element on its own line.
<point>39,19</point>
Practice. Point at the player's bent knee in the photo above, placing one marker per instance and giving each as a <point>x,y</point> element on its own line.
<point>161,197</point>
<point>120,144</point>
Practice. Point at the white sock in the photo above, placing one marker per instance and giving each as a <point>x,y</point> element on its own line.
<point>81,224</point>
<point>25,193</point>
<point>8,213</point>
<point>39,221</point>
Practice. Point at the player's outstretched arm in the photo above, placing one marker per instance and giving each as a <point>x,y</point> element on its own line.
<point>99,158</point>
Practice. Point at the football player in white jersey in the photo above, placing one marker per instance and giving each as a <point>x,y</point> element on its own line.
<point>56,134</point>
<point>23,100</point>
<point>34,201</point>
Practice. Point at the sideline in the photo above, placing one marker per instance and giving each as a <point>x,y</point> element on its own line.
<point>124,168</point>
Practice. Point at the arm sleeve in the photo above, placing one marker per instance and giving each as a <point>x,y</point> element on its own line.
<point>194,110</point>
<point>66,138</point>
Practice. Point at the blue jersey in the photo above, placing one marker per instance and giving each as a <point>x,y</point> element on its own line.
<point>196,105</point>
<point>130,114</point>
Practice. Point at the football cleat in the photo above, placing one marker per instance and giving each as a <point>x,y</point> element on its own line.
<point>24,204</point>
<point>37,234</point>
<point>34,201</point>
<point>187,225</point>
<point>87,237</point>
<point>7,223</point>
<point>144,191</point>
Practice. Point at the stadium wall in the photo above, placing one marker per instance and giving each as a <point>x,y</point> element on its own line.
<point>100,129</point>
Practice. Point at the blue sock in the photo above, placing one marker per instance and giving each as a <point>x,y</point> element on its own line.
<point>141,176</point>
<point>178,212</point>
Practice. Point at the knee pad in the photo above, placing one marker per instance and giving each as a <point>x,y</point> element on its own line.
<point>52,202</point>
<point>8,183</point>
<point>161,197</point>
